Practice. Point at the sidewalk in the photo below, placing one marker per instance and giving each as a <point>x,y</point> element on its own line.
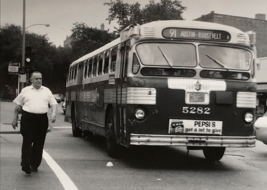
<point>6,117</point>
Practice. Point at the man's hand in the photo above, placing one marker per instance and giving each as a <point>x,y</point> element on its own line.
<point>53,118</point>
<point>15,123</point>
<point>17,111</point>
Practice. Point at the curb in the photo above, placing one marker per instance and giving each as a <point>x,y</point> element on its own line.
<point>9,132</point>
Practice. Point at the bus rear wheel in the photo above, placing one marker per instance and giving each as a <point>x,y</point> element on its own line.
<point>76,132</point>
<point>213,154</point>
<point>112,146</point>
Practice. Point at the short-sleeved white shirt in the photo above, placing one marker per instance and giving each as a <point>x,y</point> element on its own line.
<point>35,100</point>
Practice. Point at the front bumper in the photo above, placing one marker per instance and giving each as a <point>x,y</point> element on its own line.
<point>191,140</point>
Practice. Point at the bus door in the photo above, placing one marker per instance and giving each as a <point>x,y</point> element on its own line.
<point>121,92</point>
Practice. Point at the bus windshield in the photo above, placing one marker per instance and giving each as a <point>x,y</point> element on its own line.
<point>224,57</point>
<point>167,54</point>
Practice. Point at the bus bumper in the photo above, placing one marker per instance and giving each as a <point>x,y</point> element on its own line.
<point>192,141</point>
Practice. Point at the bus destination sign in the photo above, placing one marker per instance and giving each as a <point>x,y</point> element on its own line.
<point>196,34</point>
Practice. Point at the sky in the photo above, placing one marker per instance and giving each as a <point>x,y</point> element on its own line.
<point>62,14</point>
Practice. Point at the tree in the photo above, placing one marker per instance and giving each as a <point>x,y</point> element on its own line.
<point>86,39</point>
<point>10,51</point>
<point>164,10</point>
<point>10,43</point>
<point>125,14</point>
<point>51,61</point>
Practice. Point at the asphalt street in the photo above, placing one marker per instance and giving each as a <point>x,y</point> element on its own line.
<point>77,163</point>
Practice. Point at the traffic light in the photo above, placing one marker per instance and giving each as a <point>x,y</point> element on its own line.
<point>28,54</point>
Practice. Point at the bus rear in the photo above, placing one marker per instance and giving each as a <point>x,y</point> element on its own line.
<point>188,84</point>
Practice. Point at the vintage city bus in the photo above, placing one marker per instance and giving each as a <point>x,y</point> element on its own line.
<point>167,83</point>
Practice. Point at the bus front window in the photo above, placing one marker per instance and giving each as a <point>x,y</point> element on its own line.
<point>224,57</point>
<point>166,54</point>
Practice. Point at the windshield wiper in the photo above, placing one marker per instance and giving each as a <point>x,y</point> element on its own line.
<point>165,57</point>
<point>218,62</point>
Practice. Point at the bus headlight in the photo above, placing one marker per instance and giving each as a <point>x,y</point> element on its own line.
<point>140,114</point>
<point>248,117</point>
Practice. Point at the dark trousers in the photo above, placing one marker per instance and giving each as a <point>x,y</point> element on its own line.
<point>33,129</point>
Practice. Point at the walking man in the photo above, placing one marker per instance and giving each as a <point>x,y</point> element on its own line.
<point>33,103</point>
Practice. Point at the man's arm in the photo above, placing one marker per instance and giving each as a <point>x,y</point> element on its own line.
<point>17,111</point>
<point>54,111</point>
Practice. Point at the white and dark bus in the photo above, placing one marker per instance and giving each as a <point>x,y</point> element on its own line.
<point>167,83</point>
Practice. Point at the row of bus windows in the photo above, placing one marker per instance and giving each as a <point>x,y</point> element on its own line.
<point>98,65</point>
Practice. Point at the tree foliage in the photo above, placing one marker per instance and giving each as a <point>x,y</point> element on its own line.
<point>86,39</point>
<point>125,14</point>
<point>52,62</point>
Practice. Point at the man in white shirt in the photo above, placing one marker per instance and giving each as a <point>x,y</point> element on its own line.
<point>33,103</point>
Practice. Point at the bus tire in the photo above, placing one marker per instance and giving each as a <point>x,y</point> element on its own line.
<point>112,146</point>
<point>213,154</point>
<point>76,132</point>
<point>88,134</point>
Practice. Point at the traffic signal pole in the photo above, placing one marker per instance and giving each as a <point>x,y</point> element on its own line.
<point>23,42</point>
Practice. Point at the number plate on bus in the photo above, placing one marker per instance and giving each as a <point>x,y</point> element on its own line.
<point>177,126</point>
<point>196,97</point>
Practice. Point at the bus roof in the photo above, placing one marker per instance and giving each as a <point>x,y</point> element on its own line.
<point>99,50</point>
<point>156,29</point>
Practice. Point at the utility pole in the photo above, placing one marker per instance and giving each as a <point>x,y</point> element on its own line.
<point>23,40</point>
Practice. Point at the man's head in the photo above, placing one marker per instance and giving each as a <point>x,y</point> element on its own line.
<point>36,79</point>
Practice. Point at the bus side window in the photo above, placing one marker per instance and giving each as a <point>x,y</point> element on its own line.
<point>75,72</point>
<point>100,63</point>
<point>106,62</point>
<point>113,59</point>
<point>69,75</point>
<point>90,65</point>
<point>94,65</point>
<point>72,73</point>
<point>85,69</point>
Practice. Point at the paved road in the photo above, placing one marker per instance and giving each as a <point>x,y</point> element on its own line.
<point>78,163</point>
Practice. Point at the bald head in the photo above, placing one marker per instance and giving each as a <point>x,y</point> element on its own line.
<point>36,79</point>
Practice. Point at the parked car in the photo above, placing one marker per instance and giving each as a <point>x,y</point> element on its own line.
<point>260,128</point>
<point>58,97</point>
<point>64,106</point>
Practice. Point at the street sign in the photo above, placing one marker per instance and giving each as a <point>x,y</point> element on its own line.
<point>13,68</point>
<point>22,78</point>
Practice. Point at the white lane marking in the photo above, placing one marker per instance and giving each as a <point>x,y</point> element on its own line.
<point>62,176</point>
<point>61,127</point>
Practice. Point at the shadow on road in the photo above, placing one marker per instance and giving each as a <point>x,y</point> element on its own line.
<point>159,157</point>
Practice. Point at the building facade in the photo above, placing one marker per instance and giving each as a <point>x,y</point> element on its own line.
<point>67,42</point>
<point>261,76</point>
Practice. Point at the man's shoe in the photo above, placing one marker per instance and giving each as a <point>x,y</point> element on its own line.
<point>34,169</point>
<point>26,169</point>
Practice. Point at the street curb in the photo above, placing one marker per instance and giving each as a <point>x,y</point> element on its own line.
<point>16,132</point>
<point>9,132</point>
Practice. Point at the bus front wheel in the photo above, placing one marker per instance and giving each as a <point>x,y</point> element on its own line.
<point>112,146</point>
<point>213,154</point>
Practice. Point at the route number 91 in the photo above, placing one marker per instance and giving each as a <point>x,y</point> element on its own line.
<point>196,110</point>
